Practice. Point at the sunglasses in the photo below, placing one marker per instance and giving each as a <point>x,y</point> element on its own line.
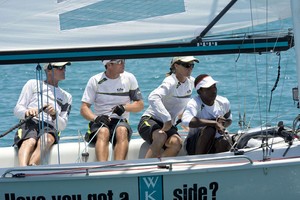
<point>186,65</point>
<point>119,61</point>
<point>59,67</point>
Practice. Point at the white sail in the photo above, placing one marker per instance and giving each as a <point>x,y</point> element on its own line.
<point>50,24</point>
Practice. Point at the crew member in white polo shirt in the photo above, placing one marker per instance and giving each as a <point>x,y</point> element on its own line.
<point>113,93</point>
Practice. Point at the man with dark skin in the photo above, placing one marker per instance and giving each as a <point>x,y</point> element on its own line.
<point>208,115</point>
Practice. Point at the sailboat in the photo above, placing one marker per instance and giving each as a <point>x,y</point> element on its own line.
<point>49,31</point>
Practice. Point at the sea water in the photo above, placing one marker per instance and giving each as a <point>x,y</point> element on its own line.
<point>246,80</point>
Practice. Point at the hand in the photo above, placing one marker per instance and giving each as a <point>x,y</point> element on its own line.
<point>224,121</point>
<point>102,119</point>
<point>31,112</point>
<point>119,110</point>
<point>50,110</point>
<point>220,124</point>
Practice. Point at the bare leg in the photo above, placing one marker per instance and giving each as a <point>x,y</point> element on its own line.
<point>25,151</point>
<point>102,144</point>
<point>205,141</point>
<point>173,144</point>
<point>121,147</point>
<point>36,156</point>
<point>159,139</point>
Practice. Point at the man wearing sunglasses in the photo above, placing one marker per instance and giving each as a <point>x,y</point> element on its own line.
<point>49,113</point>
<point>166,103</point>
<point>114,93</point>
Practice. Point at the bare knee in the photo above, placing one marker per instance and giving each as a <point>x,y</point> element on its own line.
<point>222,146</point>
<point>121,134</point>
<point>174,142</point>
<point>159,138</point>
<point>31,142</point>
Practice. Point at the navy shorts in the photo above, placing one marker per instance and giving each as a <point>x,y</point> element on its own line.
<point>114,123</point>
<point>33,129</point>
<point>191,142</point>
<point>148,125</point>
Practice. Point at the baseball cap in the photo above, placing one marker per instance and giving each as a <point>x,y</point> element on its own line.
<point>57,64</point>
<point>118,61</point>
<point>184,59</point>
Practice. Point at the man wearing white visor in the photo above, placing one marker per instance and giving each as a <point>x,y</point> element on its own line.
<point>208,115</point>
<point>46,107</point>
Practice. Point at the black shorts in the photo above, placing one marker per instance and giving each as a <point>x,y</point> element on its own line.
<point>148,125</point>
<point>114,123</point>
<point>33,129</point>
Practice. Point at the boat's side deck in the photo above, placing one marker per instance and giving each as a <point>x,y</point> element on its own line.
<point>79,152</point>
<point>75,152</point>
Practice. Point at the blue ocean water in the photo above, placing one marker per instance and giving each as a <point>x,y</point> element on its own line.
<point>246,80</point>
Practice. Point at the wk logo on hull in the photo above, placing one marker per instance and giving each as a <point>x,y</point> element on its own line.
<point>151,187</point>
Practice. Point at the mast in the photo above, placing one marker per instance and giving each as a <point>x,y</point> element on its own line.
<point>295,7</point>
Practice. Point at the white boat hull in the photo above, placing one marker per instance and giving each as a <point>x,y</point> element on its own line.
<point>213,176</point>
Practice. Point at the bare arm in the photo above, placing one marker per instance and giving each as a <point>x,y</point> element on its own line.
<point>86,112</point>
<point>135,106</point>
<point>196,122</point>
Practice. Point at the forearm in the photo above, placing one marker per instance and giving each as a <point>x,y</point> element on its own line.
<point>135,106</point>
<point>87,113</point>
<point>196,122</point>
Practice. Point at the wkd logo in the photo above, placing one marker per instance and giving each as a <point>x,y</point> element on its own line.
<point>150,187</point>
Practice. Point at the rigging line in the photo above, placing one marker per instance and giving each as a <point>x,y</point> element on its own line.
<point>254,108</point>
<point>276,81</point>
<point>87,145</point>
<point>112,139</point>
<point>255,63</point>
<point>283,83</point>
<point>241,122</point>
<point>265,150</point>
<point>56,116</point>
<point>278,72</point>
<point>39,79</point>
<point>267,60</point>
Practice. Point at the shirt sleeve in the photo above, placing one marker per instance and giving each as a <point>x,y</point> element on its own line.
<point>190,112</point>
<point>89,94</point>
<point>23,101</point>
<point>156,100</point>
<point>63,117</point>
<point>134,91</point>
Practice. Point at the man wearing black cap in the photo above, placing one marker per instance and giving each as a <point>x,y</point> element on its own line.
<point>114,93</point>
<point>207,115</point>
<point>50,113</point>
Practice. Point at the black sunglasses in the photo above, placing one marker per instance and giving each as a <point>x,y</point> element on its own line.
<point>186,65</point>
<point>60,67</point>
<point>119,61</point>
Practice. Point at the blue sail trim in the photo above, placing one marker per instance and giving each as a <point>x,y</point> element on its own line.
<point>115,11</point>
<point>149,51</point>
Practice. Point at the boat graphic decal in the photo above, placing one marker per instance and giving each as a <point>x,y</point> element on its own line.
<point>150,187</point>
